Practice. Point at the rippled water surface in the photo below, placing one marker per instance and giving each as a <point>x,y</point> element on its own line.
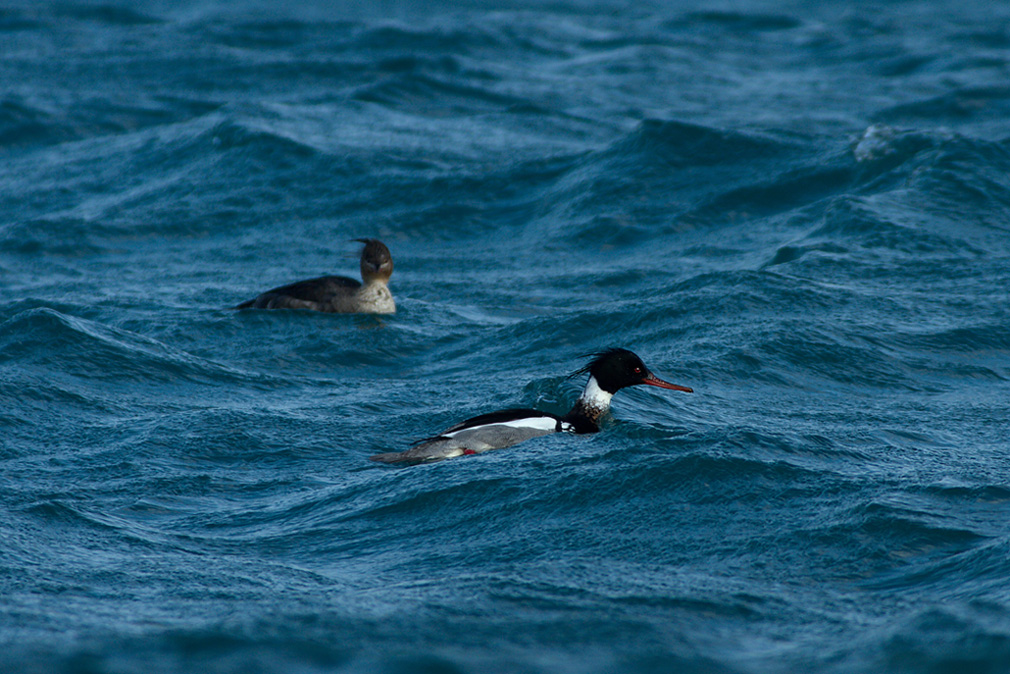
<point>802,212</point>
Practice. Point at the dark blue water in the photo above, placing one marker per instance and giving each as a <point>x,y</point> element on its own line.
<point>802,212</point>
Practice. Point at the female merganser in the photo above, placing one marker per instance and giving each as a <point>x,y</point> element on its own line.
<point>609,372</point>
<point>339,294</point>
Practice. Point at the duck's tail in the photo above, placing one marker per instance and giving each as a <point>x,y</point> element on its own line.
<point>394,457</point>
<point>432,449</point>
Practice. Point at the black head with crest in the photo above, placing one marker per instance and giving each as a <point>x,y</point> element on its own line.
<point>614,369</point>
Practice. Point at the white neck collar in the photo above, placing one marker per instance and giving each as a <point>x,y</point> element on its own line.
<point>595,397</point>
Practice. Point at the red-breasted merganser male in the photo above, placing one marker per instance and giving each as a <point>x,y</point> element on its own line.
<point>609,372</point>
<point>339,294</point>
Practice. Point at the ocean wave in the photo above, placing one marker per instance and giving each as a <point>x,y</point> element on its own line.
<point>68,236</point>
<point>431,39</point>
<point>15,19</point>
<point>27,125</point>
<point>670,144</point>
<point>961,635</point>
<point>108,14</point>
<point>959,105</point>
<point>985,340</point>
<point>850,227</point>
<point>657,175</point>
<point>277,33</point>
<point>737,22</point>
<point>255,140</point>
<point>45,339</point>
<point>427,94</point>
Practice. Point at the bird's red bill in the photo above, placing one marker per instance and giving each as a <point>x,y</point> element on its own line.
<point>653,380</point>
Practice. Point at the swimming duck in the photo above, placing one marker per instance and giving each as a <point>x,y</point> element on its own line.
<point>609,372</point>
<point>338,294</point>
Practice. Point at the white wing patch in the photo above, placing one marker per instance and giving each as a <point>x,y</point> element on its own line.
<point>546,424</point>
